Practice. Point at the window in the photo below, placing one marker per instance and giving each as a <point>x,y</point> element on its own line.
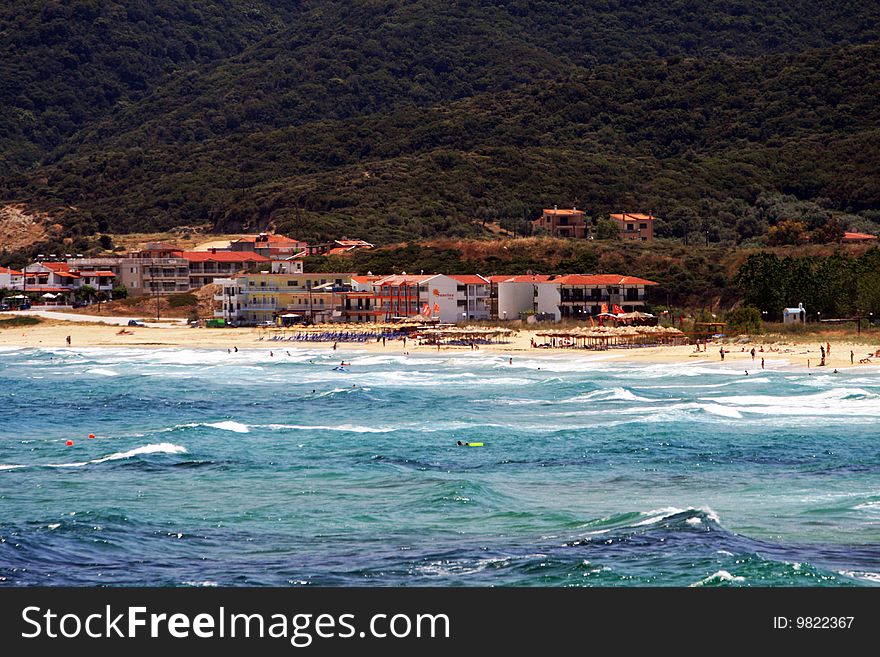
<point>643,226</point>
<point>291,283</point>
<point>461,288</point>
<point>630,226</point>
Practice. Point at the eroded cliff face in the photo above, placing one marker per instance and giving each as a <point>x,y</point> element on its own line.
<point>20,227</point>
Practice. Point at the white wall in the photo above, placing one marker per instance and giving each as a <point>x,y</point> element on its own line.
<point>514,298</point>
<point>287,266</point>
<point>442,290</point>
<point>549,299</point>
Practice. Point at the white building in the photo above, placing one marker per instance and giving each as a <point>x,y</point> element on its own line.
<point>450,299</point>
<point>794,315</point>
<point>10,279</point>
<point>516,295</point>
<point>291,265</point>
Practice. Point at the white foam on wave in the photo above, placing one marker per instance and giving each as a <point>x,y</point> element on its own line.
<point>159,448</point>
<point>353,428</point>
<point>839,401</point>
<point>205,583</point>
<point>720,576</point>
<point>658,515</point>
<point>11,467</point>
<point>102,372</point>
<point>873,507</point>
<point>229,425</point>
<point>718,409</point>
<point>865,575</point>
<point>614,394</point>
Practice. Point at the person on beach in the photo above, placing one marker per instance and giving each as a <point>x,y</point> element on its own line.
<point>510,361</point>
<point>852,358</point>
<point>762,363</point>
<point>721,351</point>
<point>822,353</point>
<point>383,340</point>
<point>68,340</point>
<point>753,353</point>
<point>235,349</point>
<point>334,346</point>
<point>828,349</point>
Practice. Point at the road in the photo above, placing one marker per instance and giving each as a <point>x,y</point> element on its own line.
<point>105,319</point>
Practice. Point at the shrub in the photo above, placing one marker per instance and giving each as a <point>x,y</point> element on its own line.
<point>182,300</point>
<point>746,319</point>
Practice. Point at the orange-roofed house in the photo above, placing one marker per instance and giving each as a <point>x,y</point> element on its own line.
<point>635,226</point>
<point>269,245</point>
<point>563,222</point>
<point>10,279</point>
<point>205,266</point>
<point>514,295</point>
<point>859,238</point>
<point>578,296</point>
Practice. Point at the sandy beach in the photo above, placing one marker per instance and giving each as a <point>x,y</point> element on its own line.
<point>791,352</point>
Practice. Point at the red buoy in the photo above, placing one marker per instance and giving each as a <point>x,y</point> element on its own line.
<point>69,443</point>
<point>91,436</point>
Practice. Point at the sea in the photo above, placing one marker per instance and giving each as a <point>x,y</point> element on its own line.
<point>249,468</point>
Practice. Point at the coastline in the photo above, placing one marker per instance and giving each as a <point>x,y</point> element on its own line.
<point>793,352</point>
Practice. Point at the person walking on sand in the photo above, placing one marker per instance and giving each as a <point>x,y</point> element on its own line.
<point>828,349</point>
<point>68,340</point>
<point>721,351</point>
<point>753,353</point>
<point>762,363</point>
<point>852,358</point>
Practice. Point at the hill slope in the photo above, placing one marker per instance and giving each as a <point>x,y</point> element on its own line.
<point>414,119</point>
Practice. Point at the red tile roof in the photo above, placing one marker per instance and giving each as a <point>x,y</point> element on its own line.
<point>527,278</point>
<point>600,279</point>
<point>633,216</point>
<point>223,256</point>
<point>469,279</point>
<point>407,279</point>
<point>858,236</point>
<point>340,250</point>
<point>56,266</point>
<point>565,212</point>
<point>6,270</point>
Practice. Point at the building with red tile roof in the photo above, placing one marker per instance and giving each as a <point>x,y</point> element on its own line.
<point>563,222</point>
<point>858,238</point>
<point>635,225</point>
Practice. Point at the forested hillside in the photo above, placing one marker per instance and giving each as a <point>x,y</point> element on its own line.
<point>407,120</point>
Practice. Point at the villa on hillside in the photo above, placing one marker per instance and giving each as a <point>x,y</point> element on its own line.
<point>563,222</point>
<point>635,226</point>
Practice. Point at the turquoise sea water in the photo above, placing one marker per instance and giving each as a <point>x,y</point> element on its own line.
<point>245,469</point>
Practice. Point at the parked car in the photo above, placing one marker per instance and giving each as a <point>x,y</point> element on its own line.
<point>4,306</point>
<point>136,322</point>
